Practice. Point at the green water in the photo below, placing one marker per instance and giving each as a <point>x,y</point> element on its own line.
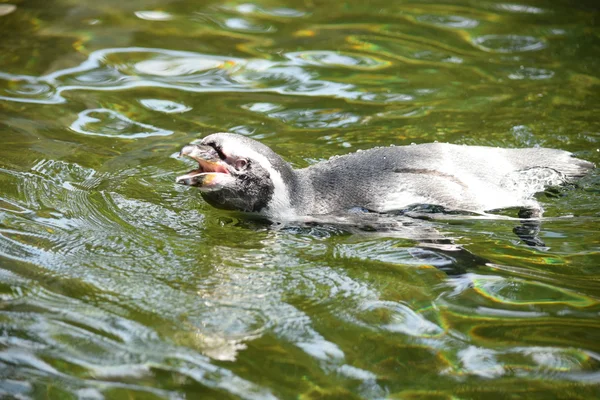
<point>116,283</point>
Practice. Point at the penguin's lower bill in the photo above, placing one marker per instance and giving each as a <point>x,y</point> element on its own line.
<point>212,173</point>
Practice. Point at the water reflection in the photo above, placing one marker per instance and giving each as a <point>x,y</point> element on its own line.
<point>166,106</point>
<point>6,9</point>
<point>519,8</point>
<point>531,73</point>
<point>117,69</point>
<point>336,59</point>
<point>154,15</point>
<point>450,21</point>
<point>508,43</point>
<point>103,122</point>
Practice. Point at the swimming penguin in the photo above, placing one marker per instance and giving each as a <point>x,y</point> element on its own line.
<point>238,173</point>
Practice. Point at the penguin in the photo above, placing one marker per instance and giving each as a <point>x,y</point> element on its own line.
<point>238,173</point>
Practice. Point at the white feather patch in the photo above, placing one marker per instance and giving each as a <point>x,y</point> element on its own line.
<point>280,206</point>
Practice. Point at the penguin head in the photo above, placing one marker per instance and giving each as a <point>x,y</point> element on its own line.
<point>236,173</point>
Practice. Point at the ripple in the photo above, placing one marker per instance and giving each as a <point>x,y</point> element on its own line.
<point>100,77</point>
<point>30,89</point>
<point>104,122</point>
<point>519,8</point>
<point>62,172</point>
<point>481,362</point>
<point>177,67</point>
<point>122,68</point>
<point>248,8</point>
<point>448,21</point>
<point>165,106</point>
<point>262,108</point>
<point>337,59</point>
<point>555,359</point>
<point>316,119</point>
<point>144,216</point>
<point>20,389</point>
<point>531,73</point>
<point>428,55</point>
<point>519,292</point>
<point>390,251</point>
<point>401,319</point>
<point>220,316</point>
<point>243,25</point>
<point>407,51</point>
<point>104,345</point>
<point>21,88</point>
<point>508,43</point>
<point>127,285</point>
<point>525,136</point>
<point>57,231</point>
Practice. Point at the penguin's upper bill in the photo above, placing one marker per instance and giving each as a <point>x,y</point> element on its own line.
<point>213,173</point>
<point>237,173</point>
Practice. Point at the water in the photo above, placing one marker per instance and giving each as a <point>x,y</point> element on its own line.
<point>117,283</point>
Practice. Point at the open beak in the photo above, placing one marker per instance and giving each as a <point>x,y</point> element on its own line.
<point>212,173</point>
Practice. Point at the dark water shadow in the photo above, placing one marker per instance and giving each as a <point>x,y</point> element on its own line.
<point>431,246</point>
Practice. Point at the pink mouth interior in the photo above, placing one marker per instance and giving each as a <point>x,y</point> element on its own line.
<point>206,166</point>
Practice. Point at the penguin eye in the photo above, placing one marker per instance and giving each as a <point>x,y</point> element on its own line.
<point>217,148</point>
<point>240,163</point>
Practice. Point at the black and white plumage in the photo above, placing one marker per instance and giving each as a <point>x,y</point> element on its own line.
<point>238,173</point>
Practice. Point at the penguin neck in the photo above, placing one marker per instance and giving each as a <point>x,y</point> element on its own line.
<point>302,192</point>
<point>292,195</point>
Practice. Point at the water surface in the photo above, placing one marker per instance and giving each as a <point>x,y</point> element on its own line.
<point>117,283</point>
